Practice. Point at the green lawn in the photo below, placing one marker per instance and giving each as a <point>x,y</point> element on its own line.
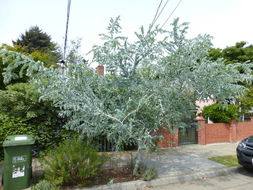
<point>230,160</point>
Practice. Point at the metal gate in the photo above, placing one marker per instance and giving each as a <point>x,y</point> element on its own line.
<point>188,136</point>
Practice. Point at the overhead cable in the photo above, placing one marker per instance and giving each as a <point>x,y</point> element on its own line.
<point>157,10</point>
<point>171,13</point>
<point>157,16</point>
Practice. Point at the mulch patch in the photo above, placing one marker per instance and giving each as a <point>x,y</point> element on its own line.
<point>117,175</point>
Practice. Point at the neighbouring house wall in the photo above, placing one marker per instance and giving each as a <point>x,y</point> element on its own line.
<point>201,104</point>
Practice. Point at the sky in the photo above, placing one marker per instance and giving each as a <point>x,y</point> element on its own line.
<point>228,21</point>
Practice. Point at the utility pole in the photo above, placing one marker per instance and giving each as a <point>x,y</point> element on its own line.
<point>66,33</point>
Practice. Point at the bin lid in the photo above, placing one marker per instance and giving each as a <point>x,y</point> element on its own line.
<point>18,140</point>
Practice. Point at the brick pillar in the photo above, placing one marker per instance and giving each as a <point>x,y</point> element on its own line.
<point>201,130</point>
<point>232,131</point>
<point>101,70</point>
<point>177,138</point>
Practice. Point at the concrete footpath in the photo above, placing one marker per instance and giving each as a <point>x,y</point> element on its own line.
<point>239,180</point>
<point>180,164</point>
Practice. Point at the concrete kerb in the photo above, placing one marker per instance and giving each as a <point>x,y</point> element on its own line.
<point>164,180</point>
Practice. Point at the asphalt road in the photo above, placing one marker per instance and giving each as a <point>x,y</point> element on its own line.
<point>240,180</point>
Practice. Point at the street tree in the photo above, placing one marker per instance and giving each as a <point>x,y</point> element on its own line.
<point>241,52</point>
<point>152,82</point>
<point>38,43</point>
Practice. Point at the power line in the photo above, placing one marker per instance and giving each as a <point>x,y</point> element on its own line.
<point>157,10</point>
<point>171,13</point>
<point>162,10</point>
<point>157,16</point>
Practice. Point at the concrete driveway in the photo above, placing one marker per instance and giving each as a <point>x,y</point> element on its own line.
<point>188,158</point>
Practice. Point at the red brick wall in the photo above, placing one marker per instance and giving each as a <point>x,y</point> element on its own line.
<point>169,140</point>
<point>217,132</point>
<point>212,133</point>
<point>244,129</point>
<point>224,132</point>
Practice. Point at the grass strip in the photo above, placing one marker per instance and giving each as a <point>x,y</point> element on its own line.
<point>229,160</point>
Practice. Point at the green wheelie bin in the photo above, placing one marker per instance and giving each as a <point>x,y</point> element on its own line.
<point>17,172</point>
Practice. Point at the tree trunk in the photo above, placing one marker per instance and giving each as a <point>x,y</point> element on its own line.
<point>137,161</point>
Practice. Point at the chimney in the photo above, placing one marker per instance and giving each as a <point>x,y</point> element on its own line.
<point>101,70</point>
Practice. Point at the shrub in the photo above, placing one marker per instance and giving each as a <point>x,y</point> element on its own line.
<point>149,174</point>
<point>45,136</point>
<point>44,185</point>
<point>22,100</point>
<point>21,112</point>
<point>73,162</point>
<point>146,173</point>
<point>221,114</point>
<point>12,126</point>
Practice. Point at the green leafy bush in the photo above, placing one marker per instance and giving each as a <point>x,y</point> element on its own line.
<point>21,112</point>
<point>12,126</point>
<point>22,100</point>
<point>73,162</point>
<point>44,135</point>
<point>221,114</point>
<point>44,185</point>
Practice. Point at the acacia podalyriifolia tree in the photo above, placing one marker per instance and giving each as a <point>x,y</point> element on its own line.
<point>151,82</point>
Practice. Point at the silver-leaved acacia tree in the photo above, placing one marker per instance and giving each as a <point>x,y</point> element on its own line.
<point>150,83</point>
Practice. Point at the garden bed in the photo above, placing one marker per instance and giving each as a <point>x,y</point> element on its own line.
<point>107,176</point>
<point>110,176</point>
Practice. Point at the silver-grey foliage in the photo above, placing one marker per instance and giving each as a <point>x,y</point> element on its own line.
<point>150,83</point>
